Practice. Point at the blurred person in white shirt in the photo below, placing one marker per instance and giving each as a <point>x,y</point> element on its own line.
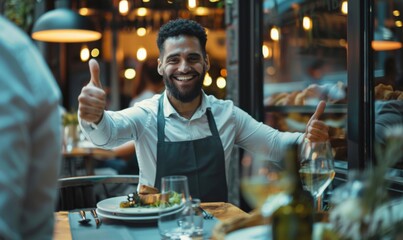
<point>30,136</point>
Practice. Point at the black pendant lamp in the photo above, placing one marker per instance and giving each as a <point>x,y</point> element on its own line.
<point>63,25</point>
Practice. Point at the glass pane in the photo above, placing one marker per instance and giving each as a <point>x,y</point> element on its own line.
<point>305,57</point>
<point>388,74</point>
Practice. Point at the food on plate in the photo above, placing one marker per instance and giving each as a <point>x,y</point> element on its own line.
<point>145,189</point>
<point>150,197</point>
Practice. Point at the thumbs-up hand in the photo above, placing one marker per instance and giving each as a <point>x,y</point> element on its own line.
<point>92,99</point>
<point>317,130</point>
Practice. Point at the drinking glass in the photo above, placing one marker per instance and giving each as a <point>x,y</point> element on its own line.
<point>316,168</point>
<point>264,183</point>
<point>176,215</point>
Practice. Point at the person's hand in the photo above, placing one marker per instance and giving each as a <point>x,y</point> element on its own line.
<point>92,99</point>
<point>317,130</point>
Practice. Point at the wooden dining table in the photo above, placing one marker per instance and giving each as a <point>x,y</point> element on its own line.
<point>88,154</point>
<point>221,210</point>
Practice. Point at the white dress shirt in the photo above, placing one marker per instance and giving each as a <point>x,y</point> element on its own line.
<point>139,123</point>
<point>30,138</point>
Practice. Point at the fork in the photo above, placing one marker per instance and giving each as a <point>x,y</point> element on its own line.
<point>206,215</point>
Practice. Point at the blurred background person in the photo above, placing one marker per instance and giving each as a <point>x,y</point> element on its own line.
<point>150,82</point>
<point>30,136</point>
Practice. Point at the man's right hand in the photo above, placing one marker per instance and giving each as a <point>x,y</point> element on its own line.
<point>92,99</point>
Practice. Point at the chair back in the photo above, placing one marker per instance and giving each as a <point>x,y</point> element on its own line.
<point>86,191</point>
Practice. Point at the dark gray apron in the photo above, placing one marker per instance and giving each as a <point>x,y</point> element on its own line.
<point>201,160</point>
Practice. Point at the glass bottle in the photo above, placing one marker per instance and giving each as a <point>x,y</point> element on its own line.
<point>294,220</point>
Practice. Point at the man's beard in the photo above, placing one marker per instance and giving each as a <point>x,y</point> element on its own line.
<point>187,96</point>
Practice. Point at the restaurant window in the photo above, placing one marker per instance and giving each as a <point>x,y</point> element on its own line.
<point>304,61</point>
<point>387,84</point>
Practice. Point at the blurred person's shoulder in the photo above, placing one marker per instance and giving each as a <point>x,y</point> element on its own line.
<point>23,60</point>
<point>12,37</point>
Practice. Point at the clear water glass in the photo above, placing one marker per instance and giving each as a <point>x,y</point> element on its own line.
<point>176,215</point>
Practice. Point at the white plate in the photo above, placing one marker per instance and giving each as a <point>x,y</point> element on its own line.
<point>138,218</point>
<point>127,218</point>
<point>111,206</point>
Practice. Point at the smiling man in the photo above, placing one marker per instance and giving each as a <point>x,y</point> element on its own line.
<point>183,131</point>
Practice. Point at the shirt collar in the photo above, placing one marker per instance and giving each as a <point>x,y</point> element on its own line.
<point>201,110</point>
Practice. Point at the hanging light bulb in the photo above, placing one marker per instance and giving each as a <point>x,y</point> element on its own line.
<point>95,52</point>
<point>221,82</point>
<point>275,34</point>
<point>141,31</point>
<point>192,3</point>
<point>130,73</point>
<point>84,53</point>
<point>141,54</point>
<point>124,7</point>
<point>344,7</point>
<point>307,23</point>
<point>141,12</point>
<point>207,80</point>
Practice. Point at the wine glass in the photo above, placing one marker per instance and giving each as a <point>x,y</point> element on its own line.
<point>176,214</point>
<point>316,168</point>
<point>264,183</point>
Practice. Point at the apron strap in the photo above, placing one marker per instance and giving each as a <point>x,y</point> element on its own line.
<point>211,122</point>
<point>161,120</point>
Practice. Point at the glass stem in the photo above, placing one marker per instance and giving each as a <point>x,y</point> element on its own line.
<point>318,203</point>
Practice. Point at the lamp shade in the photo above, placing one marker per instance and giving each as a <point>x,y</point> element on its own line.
<point>63,25</point>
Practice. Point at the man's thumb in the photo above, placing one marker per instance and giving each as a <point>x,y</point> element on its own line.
<point>320,109</point>
<point>94,71</point>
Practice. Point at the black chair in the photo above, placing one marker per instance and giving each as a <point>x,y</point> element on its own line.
<point>85,191</point>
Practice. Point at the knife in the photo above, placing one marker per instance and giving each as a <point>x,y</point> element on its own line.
<point>97,219</point>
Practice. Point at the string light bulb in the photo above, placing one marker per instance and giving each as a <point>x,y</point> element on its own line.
<point>84,53</point>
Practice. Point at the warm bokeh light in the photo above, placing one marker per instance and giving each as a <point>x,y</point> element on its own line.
<point>84,53</point>
<point>265,51</point>
<point>343,42</point>
<point>207,80</point>
<point>146,0</point>
<point>396,13</point>
<point>223,72</point>
<point>221,82</point>
<point>270,70</point>
<point>95,52</point>
<point>275,34</point>
<point>83,11</point>
<point>398,23</point>
<point>344,7</point>
<point>142,12</point>
<point>141,54</point>
<point>123,7</point>
<point>130,73</point>
<point>201,11</point>
<point>191,3</point>
<point>307,23</point>
<point>386,45</point>
<point>141,32</point>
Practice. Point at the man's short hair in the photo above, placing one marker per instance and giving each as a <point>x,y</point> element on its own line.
<point>179,27</point>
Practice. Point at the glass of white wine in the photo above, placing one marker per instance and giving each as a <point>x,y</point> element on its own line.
<point>317,168</point>
<point>263,183</point>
